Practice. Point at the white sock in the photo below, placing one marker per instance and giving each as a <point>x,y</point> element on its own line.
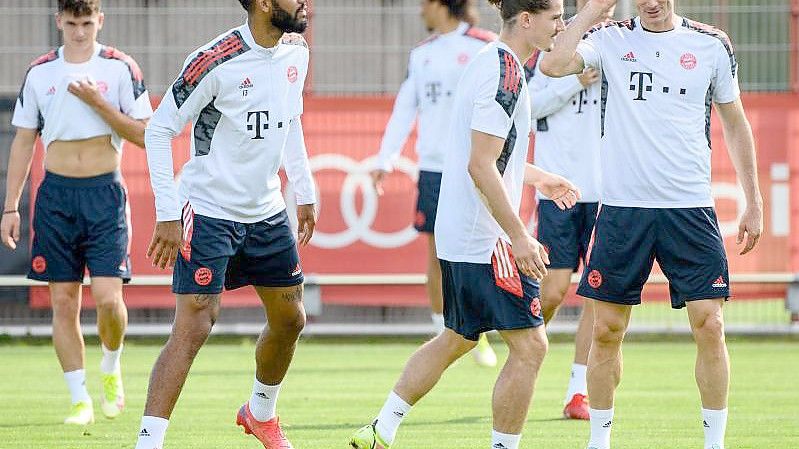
<point>263,400</point>
<point>504,440</point>
<point>390,417</point>
<point>577,383</point>
<point>152,432</point>
<point>715,424</point>
<point>438,322</point>
<point>76,382</point>
<point>110,361</point>
<point>601,423</point>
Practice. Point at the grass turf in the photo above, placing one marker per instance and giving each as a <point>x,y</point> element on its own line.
<point>335,386</point>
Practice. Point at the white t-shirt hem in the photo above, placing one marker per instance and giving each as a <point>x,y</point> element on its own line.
<point>658,204</point>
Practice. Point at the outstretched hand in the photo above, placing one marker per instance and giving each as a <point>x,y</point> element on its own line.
<point>558,189</point>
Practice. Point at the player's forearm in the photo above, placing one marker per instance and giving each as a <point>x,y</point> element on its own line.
<point>553,97</point>
<point>741,147</point>
<point>398,128</point>
<point>158,143</point>
<point>563,59</point>
<point>488,182</point>
<point>297,167</point>
<point>19,165</point>
<point>128,128</point>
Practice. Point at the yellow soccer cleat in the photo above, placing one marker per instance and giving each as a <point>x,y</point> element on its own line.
<point>80,414</point>
<point>483,354</point>
<point>367,438</point>
<point>113,399</point>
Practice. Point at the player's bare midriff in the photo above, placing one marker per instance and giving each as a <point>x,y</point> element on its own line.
<point>82,158</point>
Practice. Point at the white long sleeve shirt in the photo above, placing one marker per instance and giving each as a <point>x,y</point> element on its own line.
<point>245,103</point>
<point>567,125</point>
<point>428,93</point>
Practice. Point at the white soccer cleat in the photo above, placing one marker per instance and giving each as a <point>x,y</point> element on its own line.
<point>113,398</point>
<point>483,354</point>
<point>80,414</point>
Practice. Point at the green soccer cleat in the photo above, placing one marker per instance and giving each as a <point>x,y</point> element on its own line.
<point>113,398</point>
<point>367,438</point>
<point>80,414</point>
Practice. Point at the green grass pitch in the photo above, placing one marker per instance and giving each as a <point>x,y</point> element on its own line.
<point>335,386</point>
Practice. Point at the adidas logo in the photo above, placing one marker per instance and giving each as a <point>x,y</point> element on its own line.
<point>246,84</point>
<point>607,424</point>
<point>144,433</point>
<point>262,395</point>
<point>704,423</point>
<point>399,414</point>
<point>51,90</point>
<point>629,57</point>
<point>719,283</point>
<point>297,270</point>
<point>499,446</point>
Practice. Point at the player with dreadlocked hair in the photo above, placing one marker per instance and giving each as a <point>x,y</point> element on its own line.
<point>490,265</point>
<point>434,68</point>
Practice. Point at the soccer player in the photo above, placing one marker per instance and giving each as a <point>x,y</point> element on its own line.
<point>227,224</point>
<point>559,107</point>
<point>486,284</point>
<point>663,74</point>
<point>434,68</point>
<point>82,99</point>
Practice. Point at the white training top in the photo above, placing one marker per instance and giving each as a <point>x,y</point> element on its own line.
<point>44,103</point>
<point>434,68</point>
<point>660,86</point>
<point>492,98</point>
<point>567,125</point>
<point>245,103</point>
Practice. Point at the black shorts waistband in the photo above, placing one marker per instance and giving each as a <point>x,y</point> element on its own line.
<point>93,181</point>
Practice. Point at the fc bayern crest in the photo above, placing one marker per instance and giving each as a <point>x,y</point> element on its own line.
<point>688,61</point>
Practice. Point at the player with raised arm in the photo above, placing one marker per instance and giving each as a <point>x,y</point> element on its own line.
<point>489,262</point>
<point>559,107</point>
<point>426,97</point>
<point>226,226</point>
<point>663,72</point>
<point>82,99</point>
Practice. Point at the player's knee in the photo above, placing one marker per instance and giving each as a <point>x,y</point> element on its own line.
<point>609,332</point>
<point>710,329</point>
<point>291,326</point>
<point>65,305</point>
<point>107,303</point>
<point>530,351</point>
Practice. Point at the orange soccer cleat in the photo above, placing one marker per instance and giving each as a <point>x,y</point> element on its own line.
<point>267,432</point>
<point>577,408</point>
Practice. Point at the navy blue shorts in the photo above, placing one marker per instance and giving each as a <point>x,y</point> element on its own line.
<point>222,253</point>
<point>566,234</point>
<point>686,243</point>
<point>427,202</point>
<point>80,223</point>
<point>483,297</point>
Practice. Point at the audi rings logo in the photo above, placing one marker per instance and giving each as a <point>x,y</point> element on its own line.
<point>359,224</point>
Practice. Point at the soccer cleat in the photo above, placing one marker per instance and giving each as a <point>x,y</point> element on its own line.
<point>267,432</point>
<point>483,354</point>
<point>113,399</point>
<point>367,438</point>
<point>577,408</point>
<point>80,414</point>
